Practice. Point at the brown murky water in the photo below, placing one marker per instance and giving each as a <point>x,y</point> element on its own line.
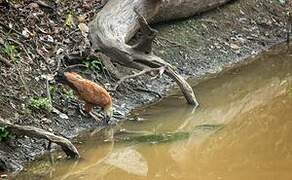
<point>242,130</point>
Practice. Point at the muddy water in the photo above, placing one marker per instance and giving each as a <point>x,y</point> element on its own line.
<point>242,130</point>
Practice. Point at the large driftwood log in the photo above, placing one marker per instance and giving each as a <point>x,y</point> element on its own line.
<point>119,20</point>
<point>179,9</point>
<point>34,132</point>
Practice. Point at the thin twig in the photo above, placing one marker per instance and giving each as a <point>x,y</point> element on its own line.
<point>172,42</point>
<point>95,116</point>
<point>68,68</point>
<point>22,46</point>
<point>5,61</point>
<point>160,69</point>
<point>12,29</point>
<point>48,91</point>
<point>20,73</point>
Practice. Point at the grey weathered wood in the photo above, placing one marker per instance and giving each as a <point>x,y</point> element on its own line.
<point>117,23</point>
<point>34,132</point>
<point>178,9</point>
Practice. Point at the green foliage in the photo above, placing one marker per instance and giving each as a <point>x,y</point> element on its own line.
<point>69,93</point>
<point>53,90</point>
<point>11,51</point>
<point>282,1</point>
<point>26,111</point>
<point>40,104</point>
<point>95,65</point>
<point>4,134</point>
<point>69,20</point>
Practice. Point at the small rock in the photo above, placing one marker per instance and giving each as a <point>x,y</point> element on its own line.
<point>59,51</point>
<point>26,33</point>
<point>46,121</point>
<point>59,157</point>
<point>50,38</point>
<point>4,176</point>
<point>56,111</point>
<point>234,46</point>
<point>63,116</point>
<point>48,76</point>
<point>204,26</point>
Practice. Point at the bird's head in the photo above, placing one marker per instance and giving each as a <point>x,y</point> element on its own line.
<point>60,78</point>
<point>108,112</point>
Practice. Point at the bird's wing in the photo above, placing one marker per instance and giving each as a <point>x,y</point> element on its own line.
<point>88,91</point>
<point>76,82</point>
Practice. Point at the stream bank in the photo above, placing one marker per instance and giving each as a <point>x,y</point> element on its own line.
<point>226,137</point>
<point>200,47</point>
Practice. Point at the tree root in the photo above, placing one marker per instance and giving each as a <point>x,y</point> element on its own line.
<point>109,34</point>
<point>160,71</point>
<point>34,132</point>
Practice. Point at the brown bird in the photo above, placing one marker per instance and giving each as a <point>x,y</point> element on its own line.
<point>91,93</point>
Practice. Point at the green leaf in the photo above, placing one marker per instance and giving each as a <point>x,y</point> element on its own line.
<point>4,134</point>
<point>69,20</point>
<point>40,104</point>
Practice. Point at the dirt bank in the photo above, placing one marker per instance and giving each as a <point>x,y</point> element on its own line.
<point>199,47</point>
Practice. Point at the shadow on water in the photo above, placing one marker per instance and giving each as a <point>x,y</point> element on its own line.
<point>242,130</point>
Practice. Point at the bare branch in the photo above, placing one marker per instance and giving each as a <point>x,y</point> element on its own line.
<point>5,61</point>
<point>138,74</point>
<point>34,132</point>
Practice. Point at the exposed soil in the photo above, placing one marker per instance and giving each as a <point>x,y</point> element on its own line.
<point>199,47</point>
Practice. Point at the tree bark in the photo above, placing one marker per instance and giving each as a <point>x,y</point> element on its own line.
<point>180,9</point>
<point>34,132</point>
<point>119,20</point>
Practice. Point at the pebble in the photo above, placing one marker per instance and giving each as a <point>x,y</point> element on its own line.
<point>4,176</point>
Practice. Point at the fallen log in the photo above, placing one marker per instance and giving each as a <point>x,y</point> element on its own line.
<point>34,132</point>
<point>118,22</point>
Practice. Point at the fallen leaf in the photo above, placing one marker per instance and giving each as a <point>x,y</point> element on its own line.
<point>81,18</point>
<point>83,28</point>
<point>69,21</point>
<point>63,116</point>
